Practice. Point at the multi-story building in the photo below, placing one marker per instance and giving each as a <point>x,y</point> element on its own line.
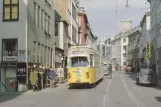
<point>85,31</point>
<point>27,39</point>
<point>133,47</point>
<point>61,32</point>
<point>155,6</point>
<point>145,38</point>
<point>72,14</point>
<point>116,49</point>
<point>120,42</point>
<point>108,49</point>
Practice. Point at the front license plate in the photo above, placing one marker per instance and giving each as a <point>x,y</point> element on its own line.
<point>78,81</point>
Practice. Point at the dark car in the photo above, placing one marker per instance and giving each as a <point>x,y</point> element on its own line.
<point>146,76</point>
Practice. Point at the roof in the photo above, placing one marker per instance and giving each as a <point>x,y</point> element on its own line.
<point>135,31</point>
<point>144,18</point>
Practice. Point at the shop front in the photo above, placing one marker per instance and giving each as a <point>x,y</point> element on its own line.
<point>8,66</point>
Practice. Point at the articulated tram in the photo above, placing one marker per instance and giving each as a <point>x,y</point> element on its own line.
<point>85,66</point>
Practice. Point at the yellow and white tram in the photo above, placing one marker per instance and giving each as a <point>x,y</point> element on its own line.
<point>85,66</point>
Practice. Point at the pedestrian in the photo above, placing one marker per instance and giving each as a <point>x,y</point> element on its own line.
<point>52,76</point>
<point>34,79</point>
<point>110,70</point>
<point>60,72</point>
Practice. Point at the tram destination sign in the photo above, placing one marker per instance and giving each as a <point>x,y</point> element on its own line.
<point>78,52</point>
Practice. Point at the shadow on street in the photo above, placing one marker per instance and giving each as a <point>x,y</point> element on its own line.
<point>131,75</point>
<point>158,99</point>
<point>7,97</point>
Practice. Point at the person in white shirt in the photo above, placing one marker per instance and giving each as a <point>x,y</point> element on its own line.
<point>60,72</point>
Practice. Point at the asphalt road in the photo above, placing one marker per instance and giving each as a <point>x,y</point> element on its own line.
<point>121,91</point>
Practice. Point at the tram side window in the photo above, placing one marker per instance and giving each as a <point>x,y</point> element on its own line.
<point>91,61</point>
<point>97,61</point>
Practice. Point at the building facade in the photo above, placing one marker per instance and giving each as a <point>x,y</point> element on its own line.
<point>28,40</point>
<point>119,43</point>
<point>72,14</point>
<point>145,38</point>
<point>155,33</point>
<point>61,32</point>
<point>133,48</point>
<point>85,31</point>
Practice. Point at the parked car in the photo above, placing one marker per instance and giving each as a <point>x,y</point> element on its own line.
<point>146,76</point>
<point>106,71</point>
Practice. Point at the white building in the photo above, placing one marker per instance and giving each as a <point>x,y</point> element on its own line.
<point>155,6</point>
<point>26,38</point>
<point>120,42</point>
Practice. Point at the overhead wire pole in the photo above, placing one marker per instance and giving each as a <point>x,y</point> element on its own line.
<point>116,16</point>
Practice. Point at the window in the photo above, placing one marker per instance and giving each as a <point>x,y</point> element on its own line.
<point>40,12</point>
<point>46,22</point>
<point>124,54</point>
<point>35,13</point>
<point>56,29</point>
<point>159,56</point>
<point>124,40</point>
<point>73,34</point>
<point>10,10</point>
<point>49,25</point>
<point>45,55</point>
<point>9,47</point>
<point>34,51</point>
<point>74,11</point>
<point>38,52</point>
<point>51,57</point>
<point>42,19</point>
<point>79,62</point>
<point>124,48</point>
<point>38,17</point>
<point>42,54</point>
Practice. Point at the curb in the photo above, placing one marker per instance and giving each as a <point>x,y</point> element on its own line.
<point>13,93</point>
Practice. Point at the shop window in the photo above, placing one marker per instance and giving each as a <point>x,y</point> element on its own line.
<point>10,10</point>
<point>10,47</point>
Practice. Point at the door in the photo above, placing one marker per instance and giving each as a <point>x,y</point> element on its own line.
<point>10,79</point>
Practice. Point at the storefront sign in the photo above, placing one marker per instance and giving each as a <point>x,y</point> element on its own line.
<point>8,64</point>
<point>148,51</point>
<point>9,58</point>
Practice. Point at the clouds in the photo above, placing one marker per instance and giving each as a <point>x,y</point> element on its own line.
<point>103,16</point>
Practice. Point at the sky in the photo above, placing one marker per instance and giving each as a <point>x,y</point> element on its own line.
<point>102,16</point>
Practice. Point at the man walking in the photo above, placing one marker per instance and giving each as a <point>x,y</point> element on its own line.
<point>52,76</point>
<point>60,72</point>
<point>110,70</point>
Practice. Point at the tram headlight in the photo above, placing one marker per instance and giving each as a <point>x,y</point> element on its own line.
<point>87,74</point>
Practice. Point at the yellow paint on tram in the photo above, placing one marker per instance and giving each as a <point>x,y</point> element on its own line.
<point>81,75</point>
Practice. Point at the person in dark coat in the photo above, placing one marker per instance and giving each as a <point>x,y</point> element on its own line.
<point>52,76</point>
<point>110,70</point>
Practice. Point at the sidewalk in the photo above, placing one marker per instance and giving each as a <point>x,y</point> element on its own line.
<point>31,91</point>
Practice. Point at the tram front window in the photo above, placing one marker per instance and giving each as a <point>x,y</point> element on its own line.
<point>79,62</point>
